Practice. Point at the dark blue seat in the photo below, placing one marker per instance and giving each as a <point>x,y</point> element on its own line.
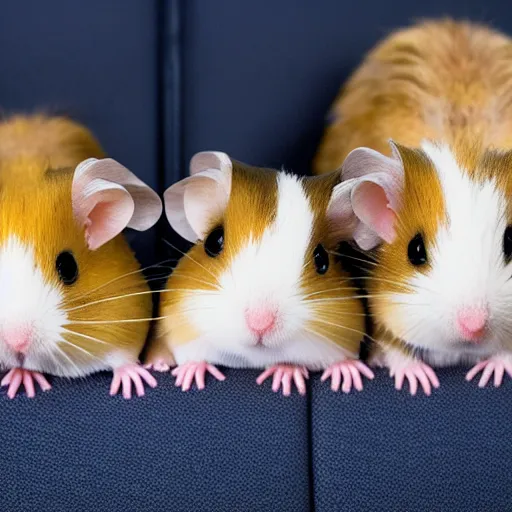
<point>235,447</point>
<point>158,80</point>
<point>389,451</point>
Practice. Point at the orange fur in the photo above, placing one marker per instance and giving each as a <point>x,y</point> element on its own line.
<point>339,316</point>
<point>442,80</point>
<point>37,159</point>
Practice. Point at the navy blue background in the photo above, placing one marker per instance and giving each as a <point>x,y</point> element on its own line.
<point>158,80</point>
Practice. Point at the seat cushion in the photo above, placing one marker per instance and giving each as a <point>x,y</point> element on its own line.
<point>233,446</point>
<point>385,450</point>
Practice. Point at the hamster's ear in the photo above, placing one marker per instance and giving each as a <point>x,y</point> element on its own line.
<point>107,198</point>
<point>192,203</point>
<point>205,160</point>
<point>374,183</point>
<point>341,217</point>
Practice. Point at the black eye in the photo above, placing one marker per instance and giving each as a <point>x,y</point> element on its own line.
<point>321,259</point>
<point>416,251</point>
<point>507,244</point>
<point>67,267</point>
<point>214,242</point>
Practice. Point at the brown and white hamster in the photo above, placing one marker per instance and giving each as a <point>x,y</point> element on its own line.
<point>261,287</point>
<point>438,198</point>
<point>72,298</point>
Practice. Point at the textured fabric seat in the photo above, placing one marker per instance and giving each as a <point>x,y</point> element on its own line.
<point>384,450</point>
<point>234,446</point>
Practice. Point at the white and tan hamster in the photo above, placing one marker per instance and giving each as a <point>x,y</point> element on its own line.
<point>72,298</point>
<point>438,198</point>
<point>261,287</point>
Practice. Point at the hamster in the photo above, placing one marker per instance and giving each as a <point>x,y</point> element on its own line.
<point>434,200</point>
<point>261,288</point>
<point>72,297</point>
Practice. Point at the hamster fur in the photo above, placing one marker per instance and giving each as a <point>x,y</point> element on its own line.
<point>442,90</point>
<point>62,261</point>
<point>261,287</point>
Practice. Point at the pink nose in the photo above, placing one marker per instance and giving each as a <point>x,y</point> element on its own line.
<point>260,321</point>
<point>472,323</point>
<point>17,338</point>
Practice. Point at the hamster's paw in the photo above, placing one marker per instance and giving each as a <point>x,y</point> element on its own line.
<point>186,373</point>
<point>415,371</point>
<point>351,371</point>
<point>498,364</point>
<point>159,365</point>
<point>125,375</point>
<point>17,376</point>
<point>283,376</point>
<point>159,357</point>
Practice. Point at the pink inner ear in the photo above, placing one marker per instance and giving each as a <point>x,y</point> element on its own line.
<point>371,205</point>
<point>104,208</point>
<point>107,219</point>
<point>101,225</point>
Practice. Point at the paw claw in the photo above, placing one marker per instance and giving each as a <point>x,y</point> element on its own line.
<point>497,365</point>
<point>282,377</point>
<point>18,376</point>
<point>351,371</point>
<point>128,375</point>
<point>416,372</point>
<point>188,373</point>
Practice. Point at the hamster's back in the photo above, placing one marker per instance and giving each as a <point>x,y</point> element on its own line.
<point>443,80</point>
<point>61,142</point>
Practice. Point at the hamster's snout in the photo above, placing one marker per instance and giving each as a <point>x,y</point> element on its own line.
<point>260,321</point>
<point>472,323</point>
<point>18,338</point>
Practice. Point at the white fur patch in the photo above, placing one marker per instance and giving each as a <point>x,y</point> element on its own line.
<point>29,300</point>
<point>265,274</point>
<point>467,269</point>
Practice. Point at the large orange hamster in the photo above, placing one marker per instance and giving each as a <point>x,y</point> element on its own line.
<point>261,287</point>
<point>436,201</point>
<point>72,298</point>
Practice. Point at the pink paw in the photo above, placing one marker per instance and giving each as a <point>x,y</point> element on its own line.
<point>350,370</point>
<point>125,375</point>
<point>498,365</point>
<point>15,377</point>
<point>283,375</point>
<point>159,366</point>
<point>186,373</point>
<point>415,371</point>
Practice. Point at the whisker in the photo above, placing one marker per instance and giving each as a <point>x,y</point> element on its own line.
<point>75,299</point>
<point>341,313</point>
<point>203,281</point>
<point>346,328</point>
<point>86,336</point>
<point>190,291</point>
<point>357,296</point>
<point>62,353</point>
<point>328,290</point>
<point>191,259</point>
<point>124,321</point>
<point>327,338</point>
<point>335,253</point>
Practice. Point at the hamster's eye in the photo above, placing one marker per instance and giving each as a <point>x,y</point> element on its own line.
<point>214,242</point>
<point>67,267</point>
<point>507,244</point>
<point>416,251</point>
<point>321,259</point>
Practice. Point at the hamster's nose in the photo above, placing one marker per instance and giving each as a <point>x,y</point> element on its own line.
<point>18,338</point>
<point>260,321</point>
<point>472,323</point>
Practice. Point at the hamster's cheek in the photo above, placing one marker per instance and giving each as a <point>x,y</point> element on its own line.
<point>178,328</point>
<point>388,314</point>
